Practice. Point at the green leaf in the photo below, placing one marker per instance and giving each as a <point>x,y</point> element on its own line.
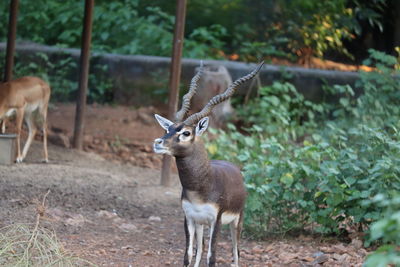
<point>287,179</point>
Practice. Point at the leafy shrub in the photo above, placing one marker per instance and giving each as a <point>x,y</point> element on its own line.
<point>312,166</point>
<point>380,105</point>
<point>281,110</point>
<point>386,230</point>
<point>321,181</point>
<point>205,42</point>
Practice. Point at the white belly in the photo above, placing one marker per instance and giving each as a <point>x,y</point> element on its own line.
<point>10,112</point>
<point>229,217</point>
<point>205,213</point>
<point>31,107</point>
<point>200,213</point>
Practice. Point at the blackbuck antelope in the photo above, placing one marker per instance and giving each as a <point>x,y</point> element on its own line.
<point>23,97</point>
<point>213,191</point>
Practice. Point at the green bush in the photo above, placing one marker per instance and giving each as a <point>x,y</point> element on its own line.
<point>323,180</point>
<point>281,110</point>
<point>312,166</point>
<point>387,231</point>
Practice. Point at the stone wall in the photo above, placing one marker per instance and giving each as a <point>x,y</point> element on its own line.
<point>140,80</point>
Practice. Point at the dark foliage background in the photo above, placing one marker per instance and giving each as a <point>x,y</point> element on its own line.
<point>235,29</point>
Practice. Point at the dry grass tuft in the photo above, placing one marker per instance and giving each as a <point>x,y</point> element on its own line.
<point>34,246</point>
<point>24,245</point>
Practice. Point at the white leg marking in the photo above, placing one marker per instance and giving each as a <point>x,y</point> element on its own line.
<point>44,130</point>
<point>233,225</point>
<point>212,226</point>
<point>190,225</point>
<point>32,132</point>
<point>3,126</point>
<point>199,237</point>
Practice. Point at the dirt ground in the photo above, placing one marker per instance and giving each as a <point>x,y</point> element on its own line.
<point>119,134</point>
<point>106,205</point>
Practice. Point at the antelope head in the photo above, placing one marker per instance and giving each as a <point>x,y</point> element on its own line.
<point>179,138</point>
<point>181,135</point>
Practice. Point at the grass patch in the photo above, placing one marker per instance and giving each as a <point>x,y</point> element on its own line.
<point>32,245</point>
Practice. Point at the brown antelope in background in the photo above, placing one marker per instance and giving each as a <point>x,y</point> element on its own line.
<point>23,97</point>
<point>213,191</point>
<point>214,80</point>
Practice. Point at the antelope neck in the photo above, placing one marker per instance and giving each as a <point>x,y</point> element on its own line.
<point>194,169</point>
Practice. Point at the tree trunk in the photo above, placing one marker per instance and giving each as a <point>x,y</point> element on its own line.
<point>396,37</point>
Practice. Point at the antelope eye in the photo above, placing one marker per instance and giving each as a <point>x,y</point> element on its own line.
<point>186,133</point>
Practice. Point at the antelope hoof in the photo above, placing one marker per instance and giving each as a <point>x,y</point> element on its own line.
<point>45,161</point>
<point>19,160</point>
<point>186,262</point>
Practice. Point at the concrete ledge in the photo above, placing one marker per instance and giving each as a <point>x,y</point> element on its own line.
<point>137,79</point>
<point>8,152</point>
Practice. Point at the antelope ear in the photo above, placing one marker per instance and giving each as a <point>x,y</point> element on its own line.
<point>165,123</point>
<point>202,126</point>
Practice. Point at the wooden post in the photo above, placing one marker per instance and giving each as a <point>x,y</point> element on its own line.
<point>83,74</point>
<point>396,36</point>
<point>175,75</point>
<point>12,33</point>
